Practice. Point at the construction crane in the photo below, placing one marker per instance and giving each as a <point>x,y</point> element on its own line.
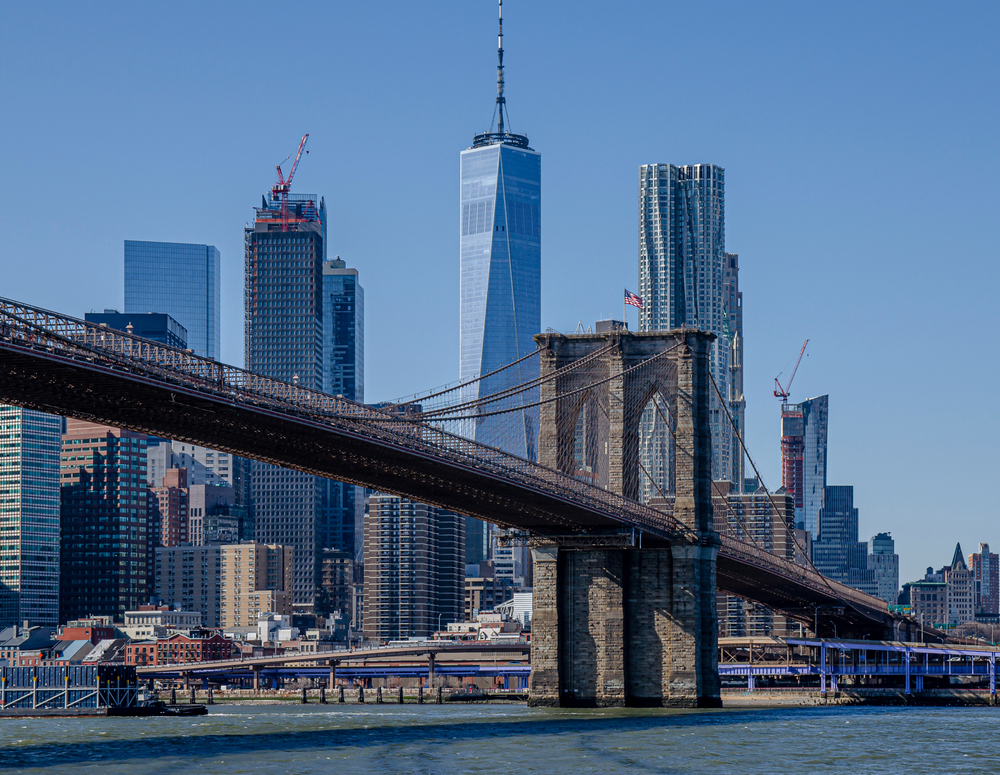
<point>279,191</point>
<point>783,392</point>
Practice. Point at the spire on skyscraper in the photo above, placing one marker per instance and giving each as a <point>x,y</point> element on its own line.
<point>501,135</point>
<point>501,102</point>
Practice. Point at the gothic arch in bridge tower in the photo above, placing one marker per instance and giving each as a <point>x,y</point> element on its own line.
<point>627,623</point>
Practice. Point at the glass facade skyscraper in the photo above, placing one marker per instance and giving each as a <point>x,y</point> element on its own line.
<point>29,516</point>
<point>500,264</point>
<point>343,374</point>
<point>149,325</point>
<point>683,281</point>
<point>181,280</point>
<point>283,339</point>
<point>501,256</point>
<point>803,458</point>
<point>107,542</point>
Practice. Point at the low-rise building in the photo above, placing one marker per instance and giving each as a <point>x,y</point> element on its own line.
<point>93,629</point>
<point>929,602</point>
<point>25,646</point>
<point>484,590</point>
<point>158,621</point>
<point>199,646</point>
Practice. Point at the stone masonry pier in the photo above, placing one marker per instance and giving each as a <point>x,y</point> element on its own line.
<point>629,624</point>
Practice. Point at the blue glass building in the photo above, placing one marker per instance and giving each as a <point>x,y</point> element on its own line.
<point>501,252</point>
<point>180,280</point>
<point>343,374</point>
<point>150,325</point>
<point>30,442</point>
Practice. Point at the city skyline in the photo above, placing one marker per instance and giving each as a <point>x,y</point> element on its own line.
<point>831,260</point>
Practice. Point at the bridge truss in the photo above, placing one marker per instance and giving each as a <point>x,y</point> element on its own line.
<point>422,449</point>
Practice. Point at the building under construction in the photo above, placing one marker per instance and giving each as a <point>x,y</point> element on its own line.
<point>284,249</point>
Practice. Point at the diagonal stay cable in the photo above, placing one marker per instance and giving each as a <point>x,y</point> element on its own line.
<point>663,494</point>
<point>559,397</point>
<point>714,483</point>
<point>510,392</point>
<point>767,492</point>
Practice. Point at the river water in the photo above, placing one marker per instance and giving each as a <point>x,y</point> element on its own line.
<point>440,740</point>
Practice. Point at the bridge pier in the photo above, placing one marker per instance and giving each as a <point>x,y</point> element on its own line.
<point>629,625</point>
<point>614,627</point>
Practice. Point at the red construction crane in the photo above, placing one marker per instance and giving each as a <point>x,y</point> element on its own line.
<point>783,392</point>
<point>280,189</point>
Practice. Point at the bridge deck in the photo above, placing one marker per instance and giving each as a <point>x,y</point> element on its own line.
<point>64,366</point>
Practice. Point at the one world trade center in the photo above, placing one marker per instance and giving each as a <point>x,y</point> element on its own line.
<point>500,270</point>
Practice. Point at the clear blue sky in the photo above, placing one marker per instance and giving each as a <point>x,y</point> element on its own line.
<point>859,141</point>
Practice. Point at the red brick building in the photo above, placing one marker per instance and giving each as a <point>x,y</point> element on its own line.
<point>171,507</point>
<point>202,646</point>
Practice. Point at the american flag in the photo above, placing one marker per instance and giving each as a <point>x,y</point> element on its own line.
<point>631,298</point>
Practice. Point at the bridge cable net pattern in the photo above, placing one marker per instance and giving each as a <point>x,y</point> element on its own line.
<point>471,423</point>
<point>398,425</point>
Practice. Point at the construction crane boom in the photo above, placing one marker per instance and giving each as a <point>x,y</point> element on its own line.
<point>784,392</point>
<point>281,189</point>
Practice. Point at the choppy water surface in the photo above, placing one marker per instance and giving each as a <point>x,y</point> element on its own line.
<point>268,739</point>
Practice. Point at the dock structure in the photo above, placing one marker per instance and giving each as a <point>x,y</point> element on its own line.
<point>912,668</point>
<point>70,690</point>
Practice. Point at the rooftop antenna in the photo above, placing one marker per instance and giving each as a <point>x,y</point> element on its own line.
<point>501,102</point>
<point>502,135</point>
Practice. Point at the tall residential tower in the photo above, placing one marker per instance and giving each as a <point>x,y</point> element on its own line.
<point>284,252</point>
<point>500,239</point>
<point>683,281</point>
<point>803,458</point>
<point>29,516</point>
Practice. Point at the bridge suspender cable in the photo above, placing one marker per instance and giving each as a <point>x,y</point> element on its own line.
<point>760,479</point>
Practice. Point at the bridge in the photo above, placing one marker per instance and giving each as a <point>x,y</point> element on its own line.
<point>833,664</point>
<point>357,658</point>
<point>649,574</point>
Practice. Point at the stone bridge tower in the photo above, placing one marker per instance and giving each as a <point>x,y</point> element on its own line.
<point>633,623</point>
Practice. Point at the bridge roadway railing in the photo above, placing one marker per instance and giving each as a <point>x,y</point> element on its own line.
<point>753,555</point>
<point>39,329</point>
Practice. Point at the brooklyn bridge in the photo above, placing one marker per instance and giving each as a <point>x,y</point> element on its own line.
<point>625,583</point>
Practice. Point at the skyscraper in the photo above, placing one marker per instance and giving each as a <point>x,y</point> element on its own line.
<point>733,323</point>
<point>837,553</point>
<point>884,563</point>
<point>500,249</point>
<point>107,545</point>
<point>682,281</point>
<point>343,374</point>
<point>29,516</point>
<point>803,458</point>
<point>414,570</point>
<point>985,567</point>
<point>284,340</point>
<point>181,280</point>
